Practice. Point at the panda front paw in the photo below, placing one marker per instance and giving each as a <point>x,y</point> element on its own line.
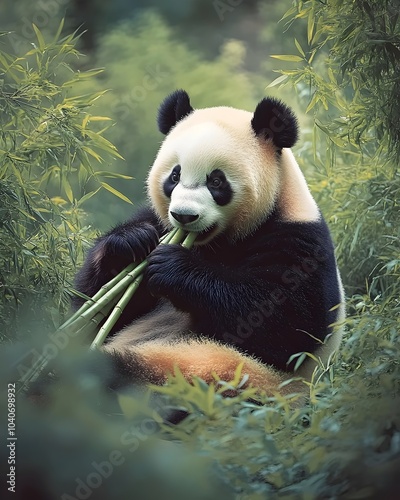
<point>168,270</point>
<point>126,245</point>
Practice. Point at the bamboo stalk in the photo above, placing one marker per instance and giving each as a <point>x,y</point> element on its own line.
<point>103,290</point>
<point>189,240</point>
<point>109,285</point>
<point>114,295</point>
<point>92,327</point>
<point>176,237</point>
<point>111,294</point>
<point>116,313</point>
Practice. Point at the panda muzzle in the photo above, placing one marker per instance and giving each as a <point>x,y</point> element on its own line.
<point>184,218</point>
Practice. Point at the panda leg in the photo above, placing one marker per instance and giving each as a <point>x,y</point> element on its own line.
<point>151,362</point>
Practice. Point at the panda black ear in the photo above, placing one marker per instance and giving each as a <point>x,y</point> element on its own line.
<point>174,107</point>
<point>274,120</point>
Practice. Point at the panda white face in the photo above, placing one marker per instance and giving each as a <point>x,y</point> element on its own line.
<point>223,169</point>
<point>213,175</point>
<point>201,193</point>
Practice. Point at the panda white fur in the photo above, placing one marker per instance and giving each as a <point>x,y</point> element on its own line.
<point>261,282</point>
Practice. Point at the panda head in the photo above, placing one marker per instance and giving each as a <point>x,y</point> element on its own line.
<point>218,169</point>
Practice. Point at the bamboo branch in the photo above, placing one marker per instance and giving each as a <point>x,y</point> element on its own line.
<point>113,296</point>
<point>175,238</point>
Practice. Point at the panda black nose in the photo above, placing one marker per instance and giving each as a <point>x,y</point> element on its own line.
<point>184,218</point>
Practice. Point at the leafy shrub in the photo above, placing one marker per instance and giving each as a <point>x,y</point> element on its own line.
<point>349,76</point>
<point>47,147</point>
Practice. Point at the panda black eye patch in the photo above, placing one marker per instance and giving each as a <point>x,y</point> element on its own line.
<point>219,187</point>
<point>172,180</point>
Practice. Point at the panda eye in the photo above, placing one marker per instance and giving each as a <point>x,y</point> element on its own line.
<point>216,183</point>
<point>175,176</point>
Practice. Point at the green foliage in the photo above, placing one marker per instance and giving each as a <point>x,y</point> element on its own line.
<point>349,75</point>
<point>47,147</point>
<point>343,444</point>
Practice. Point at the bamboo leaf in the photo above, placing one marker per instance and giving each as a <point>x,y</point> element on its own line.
<point>300,361</point>
<point>87,196</point>
<point>68,190</point>
<point>299,48</point>
<point>85,121</point>
<point>93,153</point>
<point>57,200</point>
<point>99,118</point>
<point>112,175</point>
<point>303,13</point>
<point>59,30</point>
<point>289,12</point>
<point>313,102</point>
<point>288,58</point>
<point>42,43</point>
<point>310,26</point>
<point>278,80</point>
<point>115,192</point>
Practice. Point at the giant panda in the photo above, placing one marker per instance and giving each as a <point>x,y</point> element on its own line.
<point>261,283</point>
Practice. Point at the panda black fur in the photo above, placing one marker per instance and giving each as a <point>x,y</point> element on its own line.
<point>261,282</point>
